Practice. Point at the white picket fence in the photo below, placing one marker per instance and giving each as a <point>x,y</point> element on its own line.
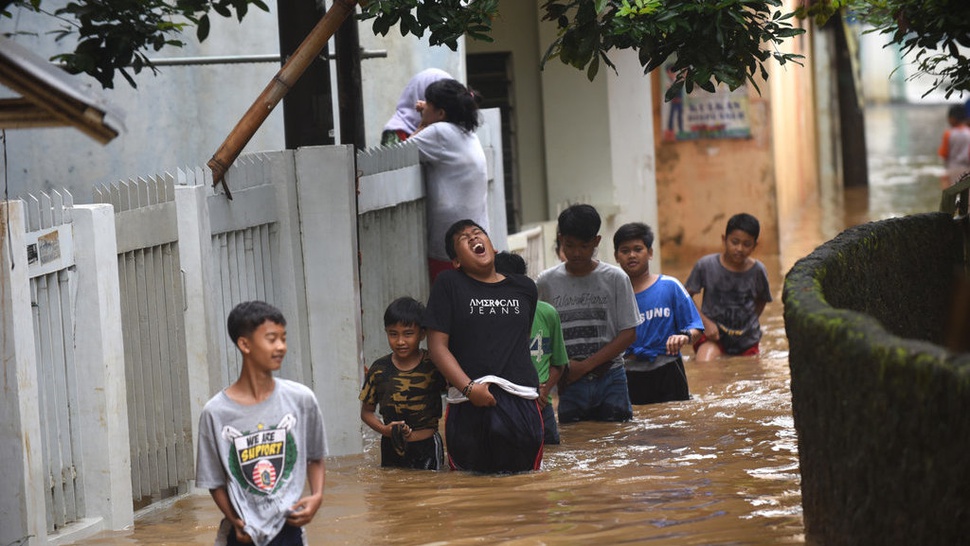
<point>128,338</point>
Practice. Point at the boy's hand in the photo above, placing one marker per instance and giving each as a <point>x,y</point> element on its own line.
<point>543,395</point>
<point>676,342</point>
<point>239,527</point>
<point>480,396</point>
<point>711,331</point>
<point>304,510</point>
<point>404,428</point>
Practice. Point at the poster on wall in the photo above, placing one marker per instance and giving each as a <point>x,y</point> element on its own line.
<point>722,114</point>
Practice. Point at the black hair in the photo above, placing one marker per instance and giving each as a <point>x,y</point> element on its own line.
<point>404,310</point>
<point>746,223</point>
<point>631,231</point>
<point>507,263</point>
<point>579,221</point>
<point>454,230</point>
<point>458,102</point>
<point>246,317</point>
<point>958,112</point>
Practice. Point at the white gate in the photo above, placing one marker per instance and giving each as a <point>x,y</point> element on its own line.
<point>50,259</point>
<point>152,303</point>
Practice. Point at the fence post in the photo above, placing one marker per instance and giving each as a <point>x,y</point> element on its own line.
<point>23,516</point>
<point>326,185</point>
<point>201,345</point>
<point>100,357</point>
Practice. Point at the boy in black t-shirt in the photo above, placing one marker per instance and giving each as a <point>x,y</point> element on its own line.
<point>478,324</point>
<point>408,388</point>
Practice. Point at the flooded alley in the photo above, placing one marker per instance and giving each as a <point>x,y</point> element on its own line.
<point>721,468</point>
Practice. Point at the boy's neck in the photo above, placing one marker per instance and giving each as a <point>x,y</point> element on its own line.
<point>581,269</point>
<point>252,387</point>
<point>408,363</point>
<point>488,276</point>
<point>644,281</point>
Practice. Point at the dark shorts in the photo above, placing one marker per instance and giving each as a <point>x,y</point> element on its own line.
<point>289,535</point>
<point>551,431</point>
<point>665,384</point>
<point>750,351</point>
<point>506,437</point>
<point>597,398</point>
<point>427,454</point>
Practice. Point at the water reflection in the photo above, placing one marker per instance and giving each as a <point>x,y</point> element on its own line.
<point>721,468</point>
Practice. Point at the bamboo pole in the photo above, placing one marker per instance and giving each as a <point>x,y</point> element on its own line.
<point>277,88</point>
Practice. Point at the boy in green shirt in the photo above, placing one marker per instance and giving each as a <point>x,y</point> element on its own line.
<point>547,347</point>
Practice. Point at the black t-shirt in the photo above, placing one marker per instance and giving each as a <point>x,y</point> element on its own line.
<point>488,324</point>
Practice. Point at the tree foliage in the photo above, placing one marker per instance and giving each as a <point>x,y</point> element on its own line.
<point>930,32</point>
<point>713,41</point>
<point>116,35</point>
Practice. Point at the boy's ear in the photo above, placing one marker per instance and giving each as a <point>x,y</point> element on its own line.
<point>423,334</point>
<point>243,344</point>
<point>596,240</point>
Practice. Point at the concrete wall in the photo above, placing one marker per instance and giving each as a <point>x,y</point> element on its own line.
<point>702,183</point>
<point>882,412</point>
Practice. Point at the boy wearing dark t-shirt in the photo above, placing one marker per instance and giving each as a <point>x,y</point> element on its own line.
<point>478,325</point>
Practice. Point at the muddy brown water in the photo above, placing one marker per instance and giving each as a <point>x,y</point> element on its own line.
<point>721,468</point>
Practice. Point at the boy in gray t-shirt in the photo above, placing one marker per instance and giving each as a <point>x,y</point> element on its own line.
<point>261,439</point>
<point>599,316</point>
<point>735,288</point>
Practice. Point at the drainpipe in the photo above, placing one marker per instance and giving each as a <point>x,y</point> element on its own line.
<point>277,88</point>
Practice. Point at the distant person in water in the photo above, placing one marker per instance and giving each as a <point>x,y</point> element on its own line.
<point>955,148</point>
<point>735,291</point>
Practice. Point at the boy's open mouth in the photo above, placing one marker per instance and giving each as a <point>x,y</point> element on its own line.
<point>478,248</point>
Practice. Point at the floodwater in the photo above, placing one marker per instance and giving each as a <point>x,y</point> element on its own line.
<point>721,468</point>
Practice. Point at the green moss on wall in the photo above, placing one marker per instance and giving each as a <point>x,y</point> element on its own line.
<point>882,412</point>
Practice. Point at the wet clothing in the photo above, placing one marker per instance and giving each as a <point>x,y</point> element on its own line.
<point>289,535</point>
<point>593,310</point>
<point>663,384</point>
<point>259,452</point>
<point>750,351</point>
<point>596,397</point>
<point>427,454</point>
<point>503,438</point>
<point>666,309</point>
<point>548,349</point>
<point>730,300</point>
<point>412,396</point>
<point>488,327</point>
<point>456,181</point>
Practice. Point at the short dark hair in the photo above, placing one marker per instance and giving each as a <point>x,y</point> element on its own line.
<point>454,230</point>
<point>958,112</point>
<point>404,310</point>
<point>746,223</point>
<point>247,316</point>
<point>507,263</point>
<point>631,231</point>
<point>579,221</point>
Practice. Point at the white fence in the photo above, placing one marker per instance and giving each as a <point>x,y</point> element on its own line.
<point>128,339</point>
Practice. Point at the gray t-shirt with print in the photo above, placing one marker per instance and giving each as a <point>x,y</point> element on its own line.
<point>593,308</point>
<point>259,453</point>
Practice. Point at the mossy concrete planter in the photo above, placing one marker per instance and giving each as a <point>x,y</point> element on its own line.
<point>881,410</point>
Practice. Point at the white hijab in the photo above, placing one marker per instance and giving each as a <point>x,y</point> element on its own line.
<point>406,118</point>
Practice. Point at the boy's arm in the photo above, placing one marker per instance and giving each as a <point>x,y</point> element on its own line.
<point>448,365</point>
<point>759,307</point>
<point>370,418</point>
<point>221,497</point>
<point>555,373</point>
<point>305,508</point>
<point>616,346</point>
